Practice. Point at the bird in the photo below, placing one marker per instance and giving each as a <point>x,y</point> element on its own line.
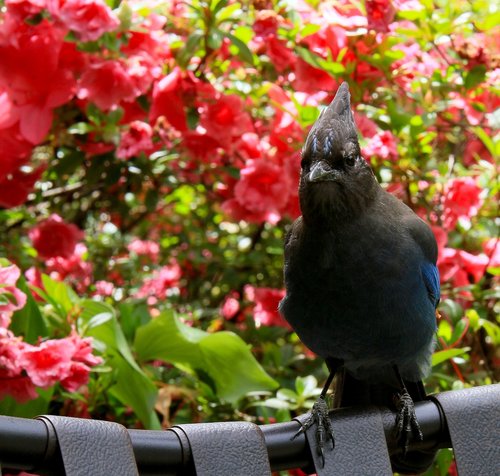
<point>361,282</point>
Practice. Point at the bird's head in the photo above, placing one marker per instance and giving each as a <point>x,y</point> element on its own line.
<point>336,182</point>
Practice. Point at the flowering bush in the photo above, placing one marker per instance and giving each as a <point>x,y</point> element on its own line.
<point>149,170</point>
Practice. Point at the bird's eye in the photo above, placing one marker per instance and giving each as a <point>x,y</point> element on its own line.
<point>304,163</point>
<point>349,160</point>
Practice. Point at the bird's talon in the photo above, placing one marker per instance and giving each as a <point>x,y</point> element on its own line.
<point>406,420</point>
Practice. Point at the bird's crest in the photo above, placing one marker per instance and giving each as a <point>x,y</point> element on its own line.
<point>335,122</point>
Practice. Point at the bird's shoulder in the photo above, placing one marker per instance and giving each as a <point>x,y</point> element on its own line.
<point>412,225</point>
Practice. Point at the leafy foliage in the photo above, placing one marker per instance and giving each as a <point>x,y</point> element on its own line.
<point>149,168</point>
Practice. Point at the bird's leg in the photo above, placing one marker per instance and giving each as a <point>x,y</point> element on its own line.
<point>406,419</point>
<point>319,413</point>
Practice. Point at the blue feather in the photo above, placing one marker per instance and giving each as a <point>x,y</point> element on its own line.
<point>430,274</point>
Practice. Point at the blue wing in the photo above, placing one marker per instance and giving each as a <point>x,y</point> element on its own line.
<point>430,274</point>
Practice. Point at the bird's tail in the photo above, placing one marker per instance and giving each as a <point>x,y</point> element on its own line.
<point>349,391</point>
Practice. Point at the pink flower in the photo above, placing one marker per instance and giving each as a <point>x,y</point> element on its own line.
<point>11,298</point>
<point>230,307</point>
<point>266,306</point>
<point>90,19</point>
<point>67,360</point>
<point>135,140</point>
<point>383,145</point>
<point>461,200</point>
<point>104,288</point>
<point>148,248</point>
<point>161,282</point>
<point>261,193</point>
<point>491,248</point>
<point>12,380</point>
<point>47,363</point>
<point>73,269</point>
<point>106,83</point>
<point>53,237</point>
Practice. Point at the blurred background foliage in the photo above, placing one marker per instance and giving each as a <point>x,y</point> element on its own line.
<point>149,174</point>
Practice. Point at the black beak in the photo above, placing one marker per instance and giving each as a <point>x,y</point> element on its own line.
<point>321,172</point>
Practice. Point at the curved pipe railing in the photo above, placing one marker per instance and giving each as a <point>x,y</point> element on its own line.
<point>31,445</point>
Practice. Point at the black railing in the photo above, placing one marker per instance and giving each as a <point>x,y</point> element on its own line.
<point>32,444</point>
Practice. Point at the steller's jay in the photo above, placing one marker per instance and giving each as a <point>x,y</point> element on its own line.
<point>361,280</point>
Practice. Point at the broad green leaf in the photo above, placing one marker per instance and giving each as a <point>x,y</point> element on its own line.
<point>28,321</point>
<point>132,386</point>
<point>442,355</point>
<point>223,356</point>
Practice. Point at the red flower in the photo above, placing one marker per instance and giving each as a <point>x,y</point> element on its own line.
<point>460,267</point>
<point>136,139</point>
<point>53,237</point>
<point>14,188</point>
<point>24,8</point>
<point>41,81</point>
<point>14,150</point>
<point>90,19</point>
<point>266,306</point>
<point>225,119</point>
<point>311,80</point>
<point>461,200</point>
<point>261,193</point>
<point>167,100</point>
<point>106,84</point>
<point>380,13</point>
<point>281,56</point>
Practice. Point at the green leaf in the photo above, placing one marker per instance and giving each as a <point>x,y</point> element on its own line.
<point>223,356</point>
<point>214,39</point>
<point>28,321</point>
<point>475,76</point>
<point>442,355</point>
<point>80,128</point>
<point>132,386</point>
<point>30,409</point>
<point>132,316</point>
<point>243,51</point>
<point>488,142</point>
<point>59,294</point>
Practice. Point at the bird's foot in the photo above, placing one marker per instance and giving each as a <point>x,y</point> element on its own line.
<point>324,430</point>
<point>406,419</point>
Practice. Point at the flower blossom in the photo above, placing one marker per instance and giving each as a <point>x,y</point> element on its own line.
<point>54,238</point>
<point>266,306</point>
<point>11,298</point>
